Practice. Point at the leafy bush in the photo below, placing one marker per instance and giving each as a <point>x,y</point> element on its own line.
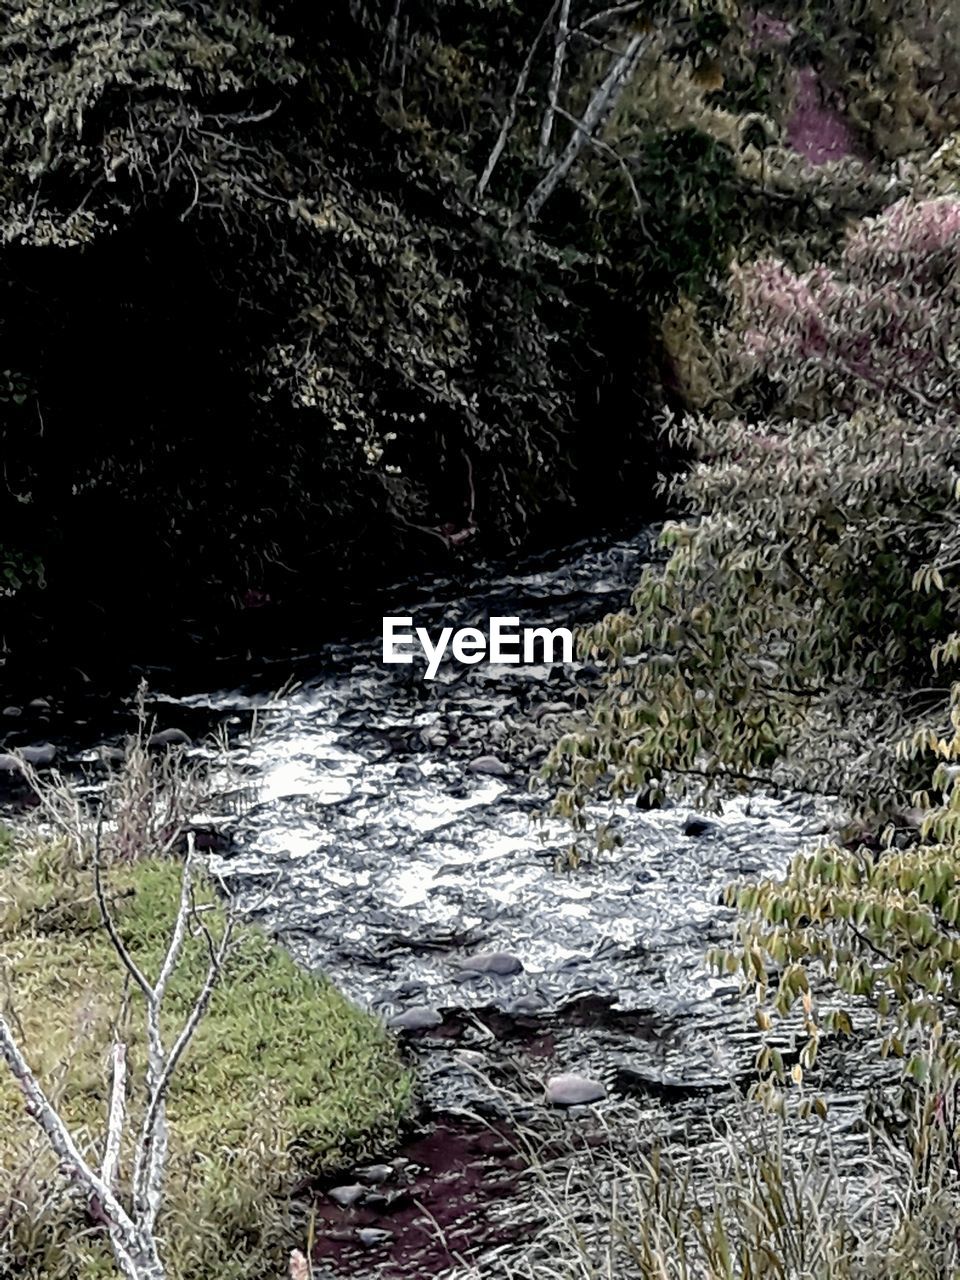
<point>787,639</point>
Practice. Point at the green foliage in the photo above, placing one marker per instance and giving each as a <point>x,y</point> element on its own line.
<point>692,210</point>
<point>787,638</point>
<point>284,1079</point>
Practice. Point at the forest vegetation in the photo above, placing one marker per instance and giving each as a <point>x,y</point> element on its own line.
<point>297,296</point>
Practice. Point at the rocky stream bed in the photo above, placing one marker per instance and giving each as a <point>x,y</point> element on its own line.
<point>384,830</point>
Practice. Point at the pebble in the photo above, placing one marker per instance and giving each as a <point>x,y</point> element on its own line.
<point>572,1090</point>
<point>40,756</point>
<point>501,963</point>
<point>490,765</point>
<point>12,711</point>
<point>39,704</point>
<point>375,1173</point>
<point>9,763</point>
<point>346,1197</point>
<point>419,1017</point>
<point>370,1237</point>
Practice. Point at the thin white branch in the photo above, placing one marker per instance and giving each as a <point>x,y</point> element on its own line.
<point>116,1116</point>
<point>180,924</point>
<point>152,1147</point>
<point>556,75</point>
<point>599,109</point>
<point>61,1140</point>
<point>512,107</point>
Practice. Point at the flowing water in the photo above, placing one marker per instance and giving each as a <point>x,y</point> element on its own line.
<point>363,839</point>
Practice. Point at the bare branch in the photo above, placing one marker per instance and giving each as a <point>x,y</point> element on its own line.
<point>61,1140</point>
<point>115,1115</point>
<point>599,108</point>
<point>118,944</point>
<point>180,924</point>
<point>511,112</point>
<point>556,75</point>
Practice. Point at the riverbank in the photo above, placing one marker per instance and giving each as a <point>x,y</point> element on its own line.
<point>284,1082</point>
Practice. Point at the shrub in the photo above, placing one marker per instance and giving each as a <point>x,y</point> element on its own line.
<point>787,639</point>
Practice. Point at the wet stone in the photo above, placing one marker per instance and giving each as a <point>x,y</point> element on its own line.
<point>12,711</point>
<point>695,826</point>
<point>9,763</point>
<point>40,756</point>
<point>572,1090</point>
<point>347,1197</point>
<point>500,963</point>
<point>169,738</point>
<point>417,1018</point>
<point>373,1237</point>
<point>374,1174</point>
<point>491,766</point>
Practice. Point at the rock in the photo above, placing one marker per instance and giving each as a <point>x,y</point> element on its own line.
<point>9,763</point>
<point>12,711</point>
<point>490,765</point>
<point>40,756</point>
<point>648,800</point>
<point>418,1018</point>
<point>346,1197</point>
<point>374,1174</point>
<point>552,709</point>
<point>169,738</point>
<point>39,704</point>
<point>501,963</point>
<point>695,826</point>
<point>572,1090</point>
<point>112,755</point>
<point>530,1003</point>
<point>409,773</point>
<point>372,1237</point>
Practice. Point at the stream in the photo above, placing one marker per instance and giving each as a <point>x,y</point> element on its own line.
<point>384,830</point>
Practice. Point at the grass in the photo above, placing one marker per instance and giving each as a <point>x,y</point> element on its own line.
<point>748,1195</point>
<point>285,1078</point>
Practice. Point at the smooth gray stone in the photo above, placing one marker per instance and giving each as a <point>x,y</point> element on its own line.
<point>501,963</point>
<point>491,765</point>
<point>572,1090</point>
<point>418,1018</point>
<point>370,1237</point>
<point>346,1197</point>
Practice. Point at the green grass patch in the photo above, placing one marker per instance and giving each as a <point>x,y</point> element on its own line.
<point>284,1079</point>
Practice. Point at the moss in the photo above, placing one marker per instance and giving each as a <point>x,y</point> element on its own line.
<point>284,1079</point>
